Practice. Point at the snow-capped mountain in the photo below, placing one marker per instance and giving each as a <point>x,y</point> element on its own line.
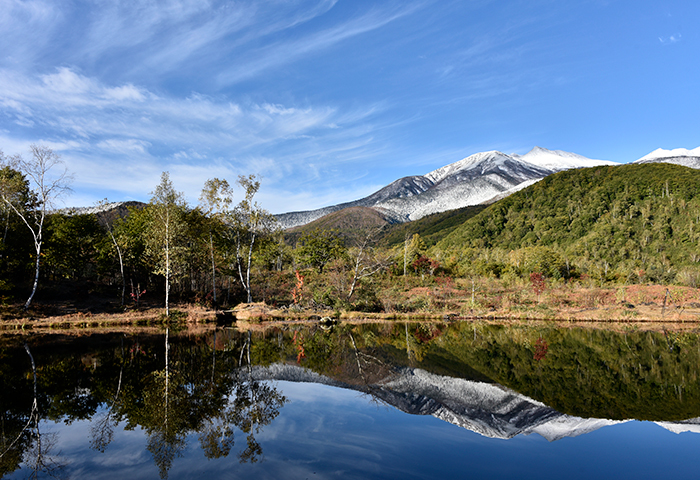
<point>677,156</point>
<point>479,178</point>
<point>559,160</point>
<point>121,207</point>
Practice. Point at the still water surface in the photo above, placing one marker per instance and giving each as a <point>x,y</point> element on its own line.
<point>369,401</point>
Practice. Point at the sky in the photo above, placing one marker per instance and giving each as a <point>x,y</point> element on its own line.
<point>326,101</point>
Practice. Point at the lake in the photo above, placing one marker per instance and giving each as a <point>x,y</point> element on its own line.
<point>393,400</point>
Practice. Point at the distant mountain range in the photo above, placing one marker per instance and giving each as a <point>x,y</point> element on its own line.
<point>677,156</point>
<point>479,178</point>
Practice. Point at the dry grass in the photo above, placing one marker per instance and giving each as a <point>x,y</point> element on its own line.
<point>187,313</point>
<point>646,306</point>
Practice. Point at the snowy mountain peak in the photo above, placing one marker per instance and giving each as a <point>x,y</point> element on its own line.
<point>472,161</point>
<point>677,156</point>
<point>559,159</point>
<point>474,180</point>
<point>676,152</point>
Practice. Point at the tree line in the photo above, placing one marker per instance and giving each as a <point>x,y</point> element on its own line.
<point>219,252</point>
<point>166,244</point>
<point>619,225</point>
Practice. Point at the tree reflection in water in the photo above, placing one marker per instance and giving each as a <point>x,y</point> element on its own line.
<point>171,391</point>
<point>167,428</point>
<point>176,385</point>
<point>184,400</point>
<point>251,405</point>
<point>38,456</point>
<point>102,429</point>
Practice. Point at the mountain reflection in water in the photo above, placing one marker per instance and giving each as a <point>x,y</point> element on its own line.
<point>219,396</point>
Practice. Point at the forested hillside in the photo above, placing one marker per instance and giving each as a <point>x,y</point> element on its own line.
<point>431,228</point>
<point>347,222</point>
<point>633,222</point>
<point>351,221</point>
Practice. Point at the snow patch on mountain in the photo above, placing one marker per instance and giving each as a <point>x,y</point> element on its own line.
<point>570,426</point>
<point>691,425</point>
<point>477,162</point>
<point>446,198</point>
<point>511,191</point>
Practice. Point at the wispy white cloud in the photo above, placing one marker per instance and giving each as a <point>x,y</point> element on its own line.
<point>20,21</point>
<point>143,39</point>
<point>286,51</point>
<point>671,39</point>
<point>96,86</point>
<point>56,99</point>
<point>123,146</point>
<point>125,135</point>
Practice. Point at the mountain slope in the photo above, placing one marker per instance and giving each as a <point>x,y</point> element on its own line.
<point>636,216</point>
<point>476,179</point>
<point>348,222</point>
<point>353,220</point>
<point>471,181</point>
<point>403,187</point>
<point>432,228</point>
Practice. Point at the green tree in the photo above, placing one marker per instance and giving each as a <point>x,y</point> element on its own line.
<point>71,245</point>
<point>46,189</point>
<point>165,241</point>
<point>104,221</point>
<point>131,233</point>
<point>215,202</point>
<point>15,244</point>
<point>319,247</point>
<point>414,249</point>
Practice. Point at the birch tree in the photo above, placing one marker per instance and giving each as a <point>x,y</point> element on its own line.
<point>366,259</point>
<point>49,180</point>
<point>167,225</point>
<point>249,222</point>
<point>104,221</point>
<point>215,202</point>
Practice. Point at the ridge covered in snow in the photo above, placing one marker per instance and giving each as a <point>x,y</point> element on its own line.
<point>676,152</point>
<point>559,160</point>
<point>487,409</point>
<point>476,179</point>
<point>677,156</point>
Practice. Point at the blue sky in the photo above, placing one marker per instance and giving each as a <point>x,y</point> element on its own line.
<point>329,100</point>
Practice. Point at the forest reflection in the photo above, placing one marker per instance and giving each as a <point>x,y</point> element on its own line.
<point>215,387</point>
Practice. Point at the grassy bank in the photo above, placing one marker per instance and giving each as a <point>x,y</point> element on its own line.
<point>647,306</point>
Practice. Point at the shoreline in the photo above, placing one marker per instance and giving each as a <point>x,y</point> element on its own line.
<point>260,316</point>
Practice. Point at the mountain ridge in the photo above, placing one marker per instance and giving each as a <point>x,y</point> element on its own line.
<point>473,180</point>
<point>677,156</point>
